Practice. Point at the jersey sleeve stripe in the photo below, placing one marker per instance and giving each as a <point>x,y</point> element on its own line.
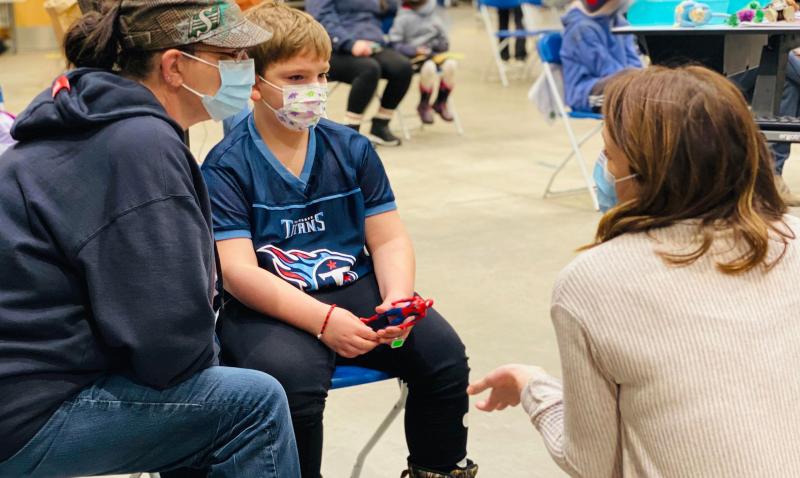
<point>380,209</point>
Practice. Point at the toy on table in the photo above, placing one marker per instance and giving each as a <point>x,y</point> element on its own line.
<point>415,308</point>
<point>697,14</point>
<point>780,10</point>
<point>692,14</point>
<point>772,12</point>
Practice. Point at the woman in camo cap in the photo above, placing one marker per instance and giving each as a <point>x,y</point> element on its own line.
<point>107,352</point>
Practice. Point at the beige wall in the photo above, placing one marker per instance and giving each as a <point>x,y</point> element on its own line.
<point>30,13</point>
<point>34,28</point>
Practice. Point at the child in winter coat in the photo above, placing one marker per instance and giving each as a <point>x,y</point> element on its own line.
<point>591,53</point>
<point>420,34</point>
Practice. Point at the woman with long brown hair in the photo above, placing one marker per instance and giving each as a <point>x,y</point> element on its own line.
<point>678,327</point>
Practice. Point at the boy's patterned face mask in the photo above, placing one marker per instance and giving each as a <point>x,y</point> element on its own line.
<point>303,105</point>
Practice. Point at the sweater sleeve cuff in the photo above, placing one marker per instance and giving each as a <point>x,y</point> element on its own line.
<point>542,392</point>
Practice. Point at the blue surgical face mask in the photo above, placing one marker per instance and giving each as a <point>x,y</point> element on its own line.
<point>605,183</point>
<point>236,84</point>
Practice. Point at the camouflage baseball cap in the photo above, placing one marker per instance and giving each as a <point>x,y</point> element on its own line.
<point>160,24</point>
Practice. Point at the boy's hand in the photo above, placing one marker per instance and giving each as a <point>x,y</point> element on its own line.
<point>390,334</point>
<point>347,335</point>
<point>423,51</point>
<point>362,48</point>
<point>506,384</point>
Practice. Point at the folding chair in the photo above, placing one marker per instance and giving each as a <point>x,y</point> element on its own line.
<point>549,48</point>
<point>499,39</point>
<point>350,376</point>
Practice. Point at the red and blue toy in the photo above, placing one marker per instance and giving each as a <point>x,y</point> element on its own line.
<point>415,308</point>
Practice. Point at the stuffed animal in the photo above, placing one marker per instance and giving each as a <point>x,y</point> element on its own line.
<point>692,14</point>
<point>780,10</point>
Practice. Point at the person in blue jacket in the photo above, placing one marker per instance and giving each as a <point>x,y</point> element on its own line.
<point>591,54</point>
<point>361,57</point>
<point>107,350</point>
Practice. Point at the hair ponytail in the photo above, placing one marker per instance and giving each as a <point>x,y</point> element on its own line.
<point>93,40</point>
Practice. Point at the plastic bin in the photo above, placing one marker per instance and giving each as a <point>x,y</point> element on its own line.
<point>662,12</point>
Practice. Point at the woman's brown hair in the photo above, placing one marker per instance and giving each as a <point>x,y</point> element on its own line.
<point>690,138</point>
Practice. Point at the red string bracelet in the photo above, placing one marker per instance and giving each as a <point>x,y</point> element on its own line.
<point>325,324</point>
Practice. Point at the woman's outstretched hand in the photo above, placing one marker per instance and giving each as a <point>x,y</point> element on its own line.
<point>506,384</point>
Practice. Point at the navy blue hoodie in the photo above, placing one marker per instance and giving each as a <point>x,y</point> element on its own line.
<point>106,253</point>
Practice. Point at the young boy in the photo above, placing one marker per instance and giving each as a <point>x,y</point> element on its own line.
<point>591,54</point>
<point>419,34</point>
<point>304,217</point>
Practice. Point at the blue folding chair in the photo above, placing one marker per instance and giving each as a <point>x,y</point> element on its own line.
<point>549,48</point>
<point>499,39</point>
<point>351,376</point>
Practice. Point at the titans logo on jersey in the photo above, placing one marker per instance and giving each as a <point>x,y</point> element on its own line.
<point>311,270</point>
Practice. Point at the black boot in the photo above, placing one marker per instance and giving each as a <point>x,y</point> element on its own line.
<point>470,471</point>
<point>440,105</point>
<point>381,134</point>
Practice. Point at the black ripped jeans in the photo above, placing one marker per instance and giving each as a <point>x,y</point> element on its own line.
<point>432,362</point>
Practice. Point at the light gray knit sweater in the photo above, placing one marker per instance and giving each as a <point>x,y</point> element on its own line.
<point>673,371</point>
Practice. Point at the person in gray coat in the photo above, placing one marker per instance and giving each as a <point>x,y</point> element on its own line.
<point>420,34</point>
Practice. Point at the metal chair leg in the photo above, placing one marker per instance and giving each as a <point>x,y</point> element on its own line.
<point>487,21</point>
<point>456,117</point>
<point>396,409</point>
<point>574,142</point>
<point>403,127</point>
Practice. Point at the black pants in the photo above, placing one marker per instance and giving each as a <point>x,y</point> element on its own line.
<point>520,51</point>
<point>363,74</point>
<point>432,362</point>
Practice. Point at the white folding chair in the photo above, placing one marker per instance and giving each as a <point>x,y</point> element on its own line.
<point>549,48</point>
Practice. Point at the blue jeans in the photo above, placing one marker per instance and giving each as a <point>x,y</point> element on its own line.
<point>230,421</point>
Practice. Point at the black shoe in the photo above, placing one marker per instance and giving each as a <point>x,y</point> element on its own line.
<point>415,472</point>
<point>381,134</point>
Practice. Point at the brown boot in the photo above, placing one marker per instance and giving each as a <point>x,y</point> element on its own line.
<point>424,109</point>
<point>415,472</point>
<point>791,199</point>
<point>440,105</point>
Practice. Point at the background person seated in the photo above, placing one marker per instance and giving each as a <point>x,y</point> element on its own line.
<point>591,54</point>
<point>790,106</point>
<point>361,58</point>
<point>678,327</point>
<point>420,34</point>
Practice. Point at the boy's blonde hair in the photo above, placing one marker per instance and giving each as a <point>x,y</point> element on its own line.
<point>293,33</point>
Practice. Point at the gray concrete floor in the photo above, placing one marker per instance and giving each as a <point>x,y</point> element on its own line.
<point>488,246</point>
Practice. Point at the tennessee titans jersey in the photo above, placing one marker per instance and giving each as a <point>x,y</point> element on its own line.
<point>308,230</point>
